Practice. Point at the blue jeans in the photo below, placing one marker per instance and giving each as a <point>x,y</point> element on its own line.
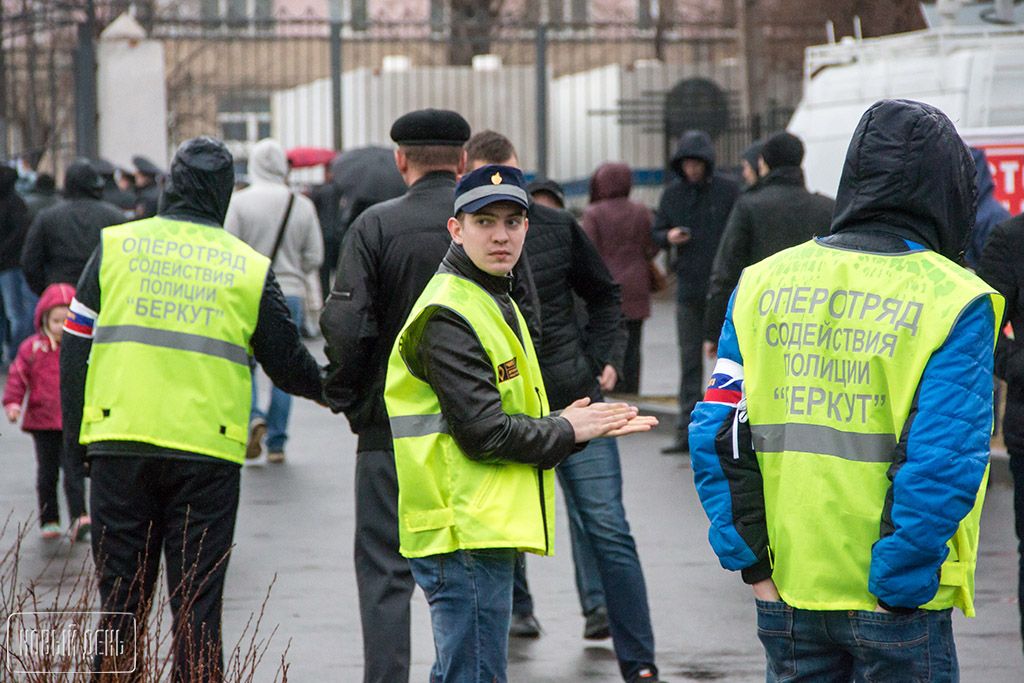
<point>592,483</point>
<point>19,307</point>
<point>815,646</point>
<point>280,402</point>
<point>470,598</point>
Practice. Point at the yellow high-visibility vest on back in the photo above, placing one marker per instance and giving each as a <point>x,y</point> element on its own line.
<point>834,345</point>
<point>169,364</point>
<point>446,501</point>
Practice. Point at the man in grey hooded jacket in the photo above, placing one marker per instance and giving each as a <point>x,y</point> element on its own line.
<point>256,215</point>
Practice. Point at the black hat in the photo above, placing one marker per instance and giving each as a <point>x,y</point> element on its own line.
<point>104,167</point>
<point>549,186</point>
<point>751,153</point>
<point>783,149</point>
<point>490,184</point>
<point>146,167</point>
<point>430,127</point>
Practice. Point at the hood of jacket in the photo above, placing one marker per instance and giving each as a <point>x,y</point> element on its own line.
<point>81,181</point>
<point>982,174</point>
<point>8,179</point>
<point>200,182</point>
<point>268,163</point>
<point>610,181</point>
<point>907,172</point>
<point>695,144</point>
<point>57,294</point>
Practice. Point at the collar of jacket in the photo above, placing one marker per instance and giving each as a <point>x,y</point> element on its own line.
<point>432,180</point>
<point>784,175</point>
<point>457,262</point>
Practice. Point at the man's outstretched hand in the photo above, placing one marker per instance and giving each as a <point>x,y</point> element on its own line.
<point>594,420</point>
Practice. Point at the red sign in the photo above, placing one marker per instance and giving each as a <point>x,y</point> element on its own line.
<point>1007,165</point>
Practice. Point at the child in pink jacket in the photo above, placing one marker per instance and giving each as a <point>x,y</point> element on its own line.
<point>36,372</point>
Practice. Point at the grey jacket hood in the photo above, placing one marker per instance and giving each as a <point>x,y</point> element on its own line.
<point>907,172</point>
<point>268,163</point>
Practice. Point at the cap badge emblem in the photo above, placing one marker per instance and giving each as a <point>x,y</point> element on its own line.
<point>496,178</point>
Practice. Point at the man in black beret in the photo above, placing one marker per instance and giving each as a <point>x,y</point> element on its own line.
<point>147,176</point>
<point>390,253</point>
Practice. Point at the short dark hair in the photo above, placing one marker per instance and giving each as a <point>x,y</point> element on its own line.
<point>489,147</point>
<point>432,156</point>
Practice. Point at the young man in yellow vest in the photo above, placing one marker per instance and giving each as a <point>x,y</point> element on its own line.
<point>474,442</point>
<point>155,391</point>
<point>841,449</point>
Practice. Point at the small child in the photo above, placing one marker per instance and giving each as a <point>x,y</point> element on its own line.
<point>36,372</point>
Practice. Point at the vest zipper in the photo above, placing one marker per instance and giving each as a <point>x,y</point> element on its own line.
<point>740,415</point>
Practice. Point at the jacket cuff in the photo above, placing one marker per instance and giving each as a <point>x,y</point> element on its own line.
<point>757,572</point>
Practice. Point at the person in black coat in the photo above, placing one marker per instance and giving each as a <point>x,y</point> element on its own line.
<point>62,237</point>
<point>774,214</point>
<point>1002,266</point>
<point>690,219</point>
<point>18,302</point>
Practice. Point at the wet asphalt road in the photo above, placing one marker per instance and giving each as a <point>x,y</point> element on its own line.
<point>295,522</point>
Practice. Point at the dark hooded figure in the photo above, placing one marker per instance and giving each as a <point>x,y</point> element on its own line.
<point>842,448</point>
<point>990,212</point>
<point>690,219</point>
<point>621,231</point>
<point>64,235</point>
<point>18,302</point>
<point>155,391</point>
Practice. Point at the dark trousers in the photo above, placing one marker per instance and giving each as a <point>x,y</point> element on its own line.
<point>49,461</point>
<point>629,380</point>
<point>1017,470</point>
<point>689,335</point>
<point>186,508</point>
<point>383,576</point>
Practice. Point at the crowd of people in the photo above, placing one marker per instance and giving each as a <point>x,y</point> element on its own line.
<point>473,329</point>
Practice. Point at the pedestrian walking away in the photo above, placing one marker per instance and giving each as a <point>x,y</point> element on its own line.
<point>283,226</point>
<point>474,445</point>
<point>828,469</point>
<point>155,391</point>
<point>689,221</point>
<point>574,363</point>
<point>32,393</point>
<point>18,302</point>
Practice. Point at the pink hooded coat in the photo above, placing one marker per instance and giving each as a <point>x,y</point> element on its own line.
<point>36,370</point>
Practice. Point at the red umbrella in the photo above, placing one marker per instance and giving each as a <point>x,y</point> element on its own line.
<point>304,157</point>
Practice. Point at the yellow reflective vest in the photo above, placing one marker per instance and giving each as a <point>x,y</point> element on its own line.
<point>446,501</point>
<point>169,364</point>
<point>834,344</point>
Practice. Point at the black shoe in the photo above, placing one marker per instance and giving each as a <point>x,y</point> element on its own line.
<point>524,626</point>
<point>596,627</point>
<point>676,447</point>
<point>645,676</point>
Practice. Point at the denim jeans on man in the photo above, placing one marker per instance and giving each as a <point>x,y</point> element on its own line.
<point>592,484</point>
<point>470,598</point>
<point>280,402</point>
<point>19,307</point>
<point>816,646</point>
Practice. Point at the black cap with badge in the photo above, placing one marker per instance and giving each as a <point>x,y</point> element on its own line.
<point>490,184</point>
<point>433,127</point>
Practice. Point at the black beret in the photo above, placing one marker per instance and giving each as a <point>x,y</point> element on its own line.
<point>751,153</point>
<point>430,127</point>
<point>103,167</point>
<point>783,149</point>
<point>147,167</point>
<point>549,186</point>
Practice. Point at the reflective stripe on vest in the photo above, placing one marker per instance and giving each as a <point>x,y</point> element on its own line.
<point>169,364</point>
<point>446,501</point>
<point>833,344</point>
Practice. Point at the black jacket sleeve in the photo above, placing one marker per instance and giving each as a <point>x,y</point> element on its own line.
<point>349,320</point>
<point>589,278</point>
<point>74,359</point>
<point>450,357</point>
<point>998,267</point>
<point>524,291</point>
<point>662,223</point>
<point>278,348</point>
<point>732,257</point>
<point>33,257</point>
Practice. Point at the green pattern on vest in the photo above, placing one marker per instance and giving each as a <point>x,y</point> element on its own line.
<point>824,333</point>
<point>446,501</point>
<point>169,364</point>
